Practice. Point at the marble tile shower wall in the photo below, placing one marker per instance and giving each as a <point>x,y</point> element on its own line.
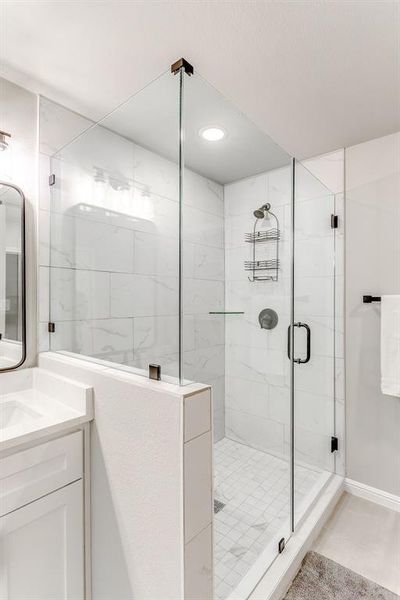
<point>257,398</point>
<point>113,281</point>
<point>256,368</point>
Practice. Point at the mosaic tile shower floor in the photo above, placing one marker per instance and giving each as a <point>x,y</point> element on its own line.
<point>254,486</point>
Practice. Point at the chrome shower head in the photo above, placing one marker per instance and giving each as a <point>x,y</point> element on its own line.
<point>260,212</point>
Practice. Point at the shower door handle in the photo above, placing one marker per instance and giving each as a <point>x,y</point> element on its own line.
<point>289,330</point>
<point>308,356</point>
<point>308,330</point>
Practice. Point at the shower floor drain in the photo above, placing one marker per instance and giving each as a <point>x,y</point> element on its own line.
<point>218,505</point>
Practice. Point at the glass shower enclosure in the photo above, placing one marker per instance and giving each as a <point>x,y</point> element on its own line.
<point>182,236</point>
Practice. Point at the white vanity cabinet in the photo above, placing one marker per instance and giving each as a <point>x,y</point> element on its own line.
<point>42,522</point>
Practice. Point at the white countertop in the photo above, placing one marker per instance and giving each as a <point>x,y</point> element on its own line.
<point>35,403</point>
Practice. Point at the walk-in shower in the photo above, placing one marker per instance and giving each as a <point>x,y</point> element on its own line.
<point>159,255</point>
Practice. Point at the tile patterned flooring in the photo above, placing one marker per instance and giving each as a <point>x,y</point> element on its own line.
<point>255,488</point>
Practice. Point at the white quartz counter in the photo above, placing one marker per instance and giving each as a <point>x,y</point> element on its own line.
<point>35,403</point>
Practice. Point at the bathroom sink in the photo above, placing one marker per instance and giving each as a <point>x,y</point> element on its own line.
<point>35,403</point>
<point>14,413</point>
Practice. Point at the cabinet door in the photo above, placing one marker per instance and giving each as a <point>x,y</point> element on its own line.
<point>41,548</point>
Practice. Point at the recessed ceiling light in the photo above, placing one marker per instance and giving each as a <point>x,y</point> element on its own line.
<point>212,134</point>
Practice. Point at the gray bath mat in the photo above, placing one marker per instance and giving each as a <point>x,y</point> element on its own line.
<point>322,579</point>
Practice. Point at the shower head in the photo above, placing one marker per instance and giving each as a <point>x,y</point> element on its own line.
<point>260,212</point>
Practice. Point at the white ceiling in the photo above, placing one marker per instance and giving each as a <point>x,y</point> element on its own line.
<point>151,119</point>
<point>314,75</point>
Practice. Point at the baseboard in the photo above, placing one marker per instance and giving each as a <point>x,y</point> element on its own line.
<point>372,494</point>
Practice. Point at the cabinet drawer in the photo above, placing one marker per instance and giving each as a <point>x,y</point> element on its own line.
<point>30,474</point>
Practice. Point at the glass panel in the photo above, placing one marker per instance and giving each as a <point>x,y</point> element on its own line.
<point>114,235</point>
<point>12,302</point>
<point>314,336</point>
<point>228,342</point>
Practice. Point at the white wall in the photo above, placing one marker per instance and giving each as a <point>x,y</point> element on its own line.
<point>18,165</point>
<point>372,267</point>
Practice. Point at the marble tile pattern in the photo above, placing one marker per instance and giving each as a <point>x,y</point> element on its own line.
<point>257,368</point>
<point>255,487</point>
<point>109,254</point>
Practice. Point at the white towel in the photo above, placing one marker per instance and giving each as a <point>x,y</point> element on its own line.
<point>390,345</point>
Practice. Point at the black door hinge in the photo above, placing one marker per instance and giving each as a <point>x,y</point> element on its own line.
<point>51,327</point>
<point>334,444</point>
<point>281,545</point>
<point>52,179</point>
<point>334,221</point>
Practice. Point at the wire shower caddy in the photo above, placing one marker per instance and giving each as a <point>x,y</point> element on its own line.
<point>258,265</point>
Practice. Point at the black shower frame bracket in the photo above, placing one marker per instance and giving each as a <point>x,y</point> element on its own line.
<point>369,299</point>
<point>182,63</point>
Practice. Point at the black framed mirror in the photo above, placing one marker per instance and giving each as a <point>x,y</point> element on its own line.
<point>12,277</point>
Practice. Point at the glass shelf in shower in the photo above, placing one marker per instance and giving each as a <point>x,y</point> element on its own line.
<point>226,312</point>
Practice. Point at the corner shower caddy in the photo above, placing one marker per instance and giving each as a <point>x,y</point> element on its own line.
<point>257,238</point>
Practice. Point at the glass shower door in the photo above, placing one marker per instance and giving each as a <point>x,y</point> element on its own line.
<point>236,309</point>
<point>313,337</point>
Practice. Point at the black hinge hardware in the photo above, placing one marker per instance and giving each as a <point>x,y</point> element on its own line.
<point>334,444</point>
<point>369,299</point>
<point>52,179</point>
<point>51,327</point>
<point>182,63</point>
<point>155,372</point>
<point>334,221</point>
<point>281,545</point>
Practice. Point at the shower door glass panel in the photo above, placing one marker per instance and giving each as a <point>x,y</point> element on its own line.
<point>313,336</point>
<point>114,252</point>
<point>225,182</point>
